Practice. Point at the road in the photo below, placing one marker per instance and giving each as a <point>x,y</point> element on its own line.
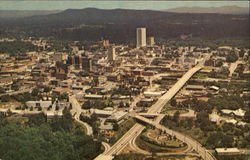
<point>135,101</point>
<point>106,146</point>
<point>189,114</point>
<point>188,140</point>
<point>141,151</point>
<point>156,108</point>
<point>76,112</point>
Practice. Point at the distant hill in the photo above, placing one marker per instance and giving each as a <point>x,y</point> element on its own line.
<point>219,10</point>
<point>20,13</point>
<point>119,25</point>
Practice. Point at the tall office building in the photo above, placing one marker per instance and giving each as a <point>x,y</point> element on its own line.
<point>87,64</point>
<point>111,53</point>
<point>71,60</point>
<point>77,61</point>
<point>105,43</point>
<point>141,37</point>
<point>61,70</point>
<point>150,41</point>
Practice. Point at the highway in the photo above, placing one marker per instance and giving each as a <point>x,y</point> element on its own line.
<point>205,154</point>
<point>141,151</point>
<point>106,146</point>
<point>136,130</point>
<point>156,108</point>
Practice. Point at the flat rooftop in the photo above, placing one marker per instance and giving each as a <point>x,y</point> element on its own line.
<point>227,150</point>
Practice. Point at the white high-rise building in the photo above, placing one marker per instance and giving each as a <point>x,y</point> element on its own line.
<point>141,37</point>
<point>111,53</point>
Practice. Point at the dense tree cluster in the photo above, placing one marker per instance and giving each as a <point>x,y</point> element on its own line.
<point>104,23</point>
<point>17,47</point>
<point>196,105</point>
<point>58,139</point>
<point>34,95</point>
<point>231,57</point>
<point>227,102</point>
<point>220,139</point>
<point>98,104</point>
<point>123,90</point>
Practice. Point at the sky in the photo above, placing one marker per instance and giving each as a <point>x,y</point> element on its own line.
<point>152,5</point>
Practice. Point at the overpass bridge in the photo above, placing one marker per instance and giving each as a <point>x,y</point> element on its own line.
<point>205,154</point>
<point>150,115</point>
<point>136,130</point>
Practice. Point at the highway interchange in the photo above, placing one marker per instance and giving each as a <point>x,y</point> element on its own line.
<point>136,130</point>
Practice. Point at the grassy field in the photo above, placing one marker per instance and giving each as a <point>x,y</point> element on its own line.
<point>153,141</point>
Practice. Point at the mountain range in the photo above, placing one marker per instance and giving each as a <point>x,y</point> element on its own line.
<point>119,25</point>
<point>24,13</point>
<point>219,10</point>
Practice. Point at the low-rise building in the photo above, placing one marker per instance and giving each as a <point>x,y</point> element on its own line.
<point>227,151</point>
<point>195,87</point>
<point>93,96</point>
<point>152,94</point>
<point>116,116</point>
<point>38,104</point>
<point>101,113</point>
<point>238,112</point>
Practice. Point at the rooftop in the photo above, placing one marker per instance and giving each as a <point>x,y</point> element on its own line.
<point>238,112</point>
<point>227,150</point>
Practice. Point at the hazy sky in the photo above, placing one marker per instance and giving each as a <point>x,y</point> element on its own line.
<point>154,5</point>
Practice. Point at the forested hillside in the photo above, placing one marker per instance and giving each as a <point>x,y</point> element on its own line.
<point>119,25</point>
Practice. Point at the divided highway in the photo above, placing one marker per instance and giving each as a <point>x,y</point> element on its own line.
<point>136,130</point>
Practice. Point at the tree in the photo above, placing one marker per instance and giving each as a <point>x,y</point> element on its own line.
<point>58,145</point>
<point>227,127</point>
<point>121,105</point>
<point>127,105</point>
<point>37,119</point>
<point>14,87</point>
<point>212,74</point>
<point>176,116</point>
<point>5,98</point>
<point>47,89</point>
<point>173,102</point>
<point>115,126</point>
<point>231,57</point>
<point>67,119</point>
<point>219,139</point>
<point>2,90</point>
<point>202,116</point>
<point>241,53</point>
<point>35,92</point>
<point>50,107</point>
<point>247,116</point>
<point>86,105</point>
<point>57,107</point>
<point>63,96</point>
